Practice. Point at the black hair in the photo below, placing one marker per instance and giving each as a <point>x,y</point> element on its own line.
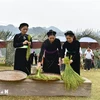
<point>71,34</point>
<point>51,32</point>
<point>22,25</point>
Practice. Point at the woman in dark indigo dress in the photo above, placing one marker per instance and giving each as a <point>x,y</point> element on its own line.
<point>50,51</point>
<point>21,43</point>
<point>71,48</point>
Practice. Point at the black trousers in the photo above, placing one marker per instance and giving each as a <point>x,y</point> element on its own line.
<point>88,63</point>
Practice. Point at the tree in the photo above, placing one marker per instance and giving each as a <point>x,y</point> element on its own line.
<point>89,33</point>
<point>7,36</point>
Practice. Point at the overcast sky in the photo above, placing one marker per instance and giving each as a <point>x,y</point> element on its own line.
<point>64,14</point>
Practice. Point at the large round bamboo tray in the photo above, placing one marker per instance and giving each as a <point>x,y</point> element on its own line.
<point>12,75</point>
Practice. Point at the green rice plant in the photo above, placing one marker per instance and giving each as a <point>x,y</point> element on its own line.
<point>71,79</point>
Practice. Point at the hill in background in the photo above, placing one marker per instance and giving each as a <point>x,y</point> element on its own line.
<point>33,30</point>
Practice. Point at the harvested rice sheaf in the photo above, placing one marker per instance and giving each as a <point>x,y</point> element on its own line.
<point>45,77</point>
<point>71,79</point>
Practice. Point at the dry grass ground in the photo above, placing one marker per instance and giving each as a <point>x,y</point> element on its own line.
<point>93,75</point>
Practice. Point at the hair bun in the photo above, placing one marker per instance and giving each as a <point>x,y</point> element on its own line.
<point>51,32</point>
<point>22,25</point>
<point>69,33</point>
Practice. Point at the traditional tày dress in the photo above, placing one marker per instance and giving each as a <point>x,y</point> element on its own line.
<point>72,49</point>
<point>21,63</point>
<point>51,53</point>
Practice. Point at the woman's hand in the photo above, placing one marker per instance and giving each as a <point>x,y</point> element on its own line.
<point>39,65</point>
<point>25,42</point>
<point>60,62</point>
<point>29,43</point>
<point>71,61</point>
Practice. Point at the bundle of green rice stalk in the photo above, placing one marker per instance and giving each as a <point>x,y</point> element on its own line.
<point>38,75</point>
<point>42,76</point>
<point>28,49</point>
<point>71,79</point>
